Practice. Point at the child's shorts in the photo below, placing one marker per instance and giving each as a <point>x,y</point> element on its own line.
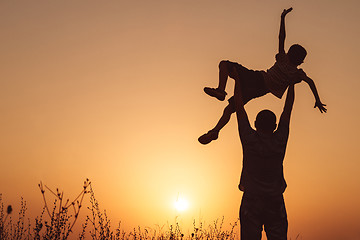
<point>252,83</point>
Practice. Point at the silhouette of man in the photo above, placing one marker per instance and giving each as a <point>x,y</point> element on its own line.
<point>262,178</point>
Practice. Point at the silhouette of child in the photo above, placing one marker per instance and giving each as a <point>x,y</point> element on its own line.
<point>258,83</point>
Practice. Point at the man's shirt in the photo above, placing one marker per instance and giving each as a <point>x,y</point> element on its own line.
<point>263,157</point>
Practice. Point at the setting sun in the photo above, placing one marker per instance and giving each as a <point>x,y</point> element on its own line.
<point>181,204</point>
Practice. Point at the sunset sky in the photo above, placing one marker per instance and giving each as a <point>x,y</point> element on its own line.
<point>113,91</point>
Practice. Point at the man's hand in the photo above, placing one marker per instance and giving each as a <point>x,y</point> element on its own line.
<point>286,11</point>
<point>295,81</point>
<point>321,106</point>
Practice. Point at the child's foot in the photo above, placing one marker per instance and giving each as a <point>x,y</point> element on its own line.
<point>208,137</point>
<point>215,92</point>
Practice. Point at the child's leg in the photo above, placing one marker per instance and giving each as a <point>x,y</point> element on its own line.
<point>224,119</point>
<point>226,69</point>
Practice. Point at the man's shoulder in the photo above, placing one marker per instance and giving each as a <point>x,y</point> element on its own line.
<point>247,133</point>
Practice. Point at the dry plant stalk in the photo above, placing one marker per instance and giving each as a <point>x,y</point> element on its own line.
<point>59,213</point>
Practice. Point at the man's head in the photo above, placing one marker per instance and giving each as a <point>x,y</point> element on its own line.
<point>265,121</point>
<point>296,54</point>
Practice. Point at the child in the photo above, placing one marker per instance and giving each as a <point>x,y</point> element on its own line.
<point>258,83</point>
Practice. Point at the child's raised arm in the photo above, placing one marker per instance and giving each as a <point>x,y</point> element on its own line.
<point>282,33</point>
<point>312,86</point>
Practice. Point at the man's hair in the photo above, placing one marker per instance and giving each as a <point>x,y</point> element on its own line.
<point>265,120</point>
<point>297,54</point>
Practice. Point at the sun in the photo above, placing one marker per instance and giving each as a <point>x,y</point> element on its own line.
<point>181,204</point>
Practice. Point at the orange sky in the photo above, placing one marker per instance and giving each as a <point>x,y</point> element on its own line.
<point>112,91</point>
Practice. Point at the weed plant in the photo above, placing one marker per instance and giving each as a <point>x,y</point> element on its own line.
<point>57,222</point>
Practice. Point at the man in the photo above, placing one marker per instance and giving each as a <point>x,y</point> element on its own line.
<point>262,179</point>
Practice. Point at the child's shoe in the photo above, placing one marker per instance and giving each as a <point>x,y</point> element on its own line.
<point>208,137</point>
<point>215,92</point>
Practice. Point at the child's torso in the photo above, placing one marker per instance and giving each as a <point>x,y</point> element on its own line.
<point>278,77</point>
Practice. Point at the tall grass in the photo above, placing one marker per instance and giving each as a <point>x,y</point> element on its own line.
<point>57,221</point>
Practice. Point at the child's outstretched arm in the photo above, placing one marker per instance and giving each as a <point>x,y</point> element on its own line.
<point>282,33</point>
<point>312,86</point>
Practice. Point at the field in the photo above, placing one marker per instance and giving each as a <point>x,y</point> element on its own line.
<point>57,221</point>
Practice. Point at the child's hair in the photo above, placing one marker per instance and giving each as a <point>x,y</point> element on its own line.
<point>297,54</point>
<point>265,120</point>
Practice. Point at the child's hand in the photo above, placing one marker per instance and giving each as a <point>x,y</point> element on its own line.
<point>286,11</point>
<point>321,106</point>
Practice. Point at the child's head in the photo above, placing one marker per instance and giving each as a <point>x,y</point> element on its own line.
<point>296,54</point>
<point>265,121</point>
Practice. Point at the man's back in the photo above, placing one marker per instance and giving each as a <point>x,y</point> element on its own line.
<point>263,156</point>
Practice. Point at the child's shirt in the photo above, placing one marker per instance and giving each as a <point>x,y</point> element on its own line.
<point>279,76</point>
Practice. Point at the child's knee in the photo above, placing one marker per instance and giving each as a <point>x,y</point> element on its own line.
<point>229,68</point>
<point>224,64</point>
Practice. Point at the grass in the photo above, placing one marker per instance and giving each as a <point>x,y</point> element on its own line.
<point>58,220</point>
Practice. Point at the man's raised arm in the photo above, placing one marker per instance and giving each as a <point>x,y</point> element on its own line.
<point>242,118</point>
<point>289,102</point>
<point>282,33</point>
